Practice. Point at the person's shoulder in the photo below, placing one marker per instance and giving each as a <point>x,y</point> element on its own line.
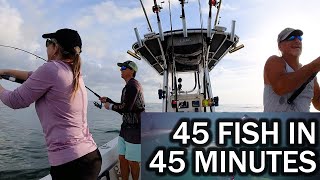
<point>46,71</point>
<point>49,66</point>
<point>275,60</point>
<point>134,83</point>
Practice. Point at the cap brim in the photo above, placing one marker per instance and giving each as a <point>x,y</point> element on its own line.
<point>296,32</point>
<point>120,64</point>
<point>49,35</point>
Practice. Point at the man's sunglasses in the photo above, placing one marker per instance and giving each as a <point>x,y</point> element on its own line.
<point>124,68</point>
<point>291,38</point>
<point>50,41</point>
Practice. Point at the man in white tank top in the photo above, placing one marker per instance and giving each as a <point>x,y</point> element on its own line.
<point>284,74</point>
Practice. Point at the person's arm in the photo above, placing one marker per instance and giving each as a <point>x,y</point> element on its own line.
<point>32,89</point>
<point>316,97</point>
<point>107,100</point>
<point>1,89</point>
<point>108,103</point>
<point>129,99</point>
<point>23,75</point>
<point>283,82</point>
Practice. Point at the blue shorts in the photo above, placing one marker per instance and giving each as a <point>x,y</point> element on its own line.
<point>132,152</point>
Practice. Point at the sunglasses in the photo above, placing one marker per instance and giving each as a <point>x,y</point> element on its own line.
<point>291,38</point>
<point>50,41</point>
<point>124,68</point>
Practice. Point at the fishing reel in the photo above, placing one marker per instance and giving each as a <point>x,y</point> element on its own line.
<point>97,104</point>
<point>157,8</point>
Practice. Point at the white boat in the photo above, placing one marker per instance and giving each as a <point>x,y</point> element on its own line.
<point>186,51</point>
<point>170,53</point>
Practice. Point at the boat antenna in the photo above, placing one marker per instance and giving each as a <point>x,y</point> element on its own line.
<point>13,79</point>
<point>183,18</point>
<point>145,14</point>
<point>15,48</point>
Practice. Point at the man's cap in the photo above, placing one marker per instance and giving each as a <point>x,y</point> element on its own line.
<point>287,32</point>
<point>68,39</point>
<point>129,64</point>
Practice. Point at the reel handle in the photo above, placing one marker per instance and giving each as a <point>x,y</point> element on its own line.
<point>12,78</point>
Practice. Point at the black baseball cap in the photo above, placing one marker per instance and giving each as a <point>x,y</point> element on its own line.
<point>68,39</point>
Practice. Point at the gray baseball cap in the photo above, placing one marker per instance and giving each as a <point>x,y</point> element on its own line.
<point>288,32</point>
<point>129,64</point>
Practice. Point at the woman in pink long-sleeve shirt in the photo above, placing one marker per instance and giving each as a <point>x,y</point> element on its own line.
<point>60,98</point>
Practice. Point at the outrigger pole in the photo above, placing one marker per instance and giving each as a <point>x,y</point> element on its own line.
<point>183,17</point>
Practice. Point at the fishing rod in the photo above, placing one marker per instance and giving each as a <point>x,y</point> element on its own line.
<point>211,3</point>
<point>296,93</point>
<point>201,23</point>
<point>173,75</point>
<point>156,9</point>
<point>183,17</point>
<point>218,11</point>
<point>145,14</point>
<point>20,81</point>
<point>95,102</point>
<point>11,78</point>
<point>93,92</point>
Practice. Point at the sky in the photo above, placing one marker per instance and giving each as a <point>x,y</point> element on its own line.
<point>106,28</point>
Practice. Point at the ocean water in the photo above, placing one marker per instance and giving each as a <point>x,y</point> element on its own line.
<point>23,152</point>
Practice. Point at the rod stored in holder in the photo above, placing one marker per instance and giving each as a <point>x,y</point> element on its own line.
<point>134,55</point>
<point>183,18</point>
<point>156,9</point>
<point>233,27</point>
<point>138,37</point>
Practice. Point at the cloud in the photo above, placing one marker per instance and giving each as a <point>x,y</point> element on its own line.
<point>106,28</point>
<point>228,7</point>
<point>10,24</point>
<point>108,13</point>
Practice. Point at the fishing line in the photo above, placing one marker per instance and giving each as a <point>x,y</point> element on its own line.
<point>13,79</point>
<point>15,48</point>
